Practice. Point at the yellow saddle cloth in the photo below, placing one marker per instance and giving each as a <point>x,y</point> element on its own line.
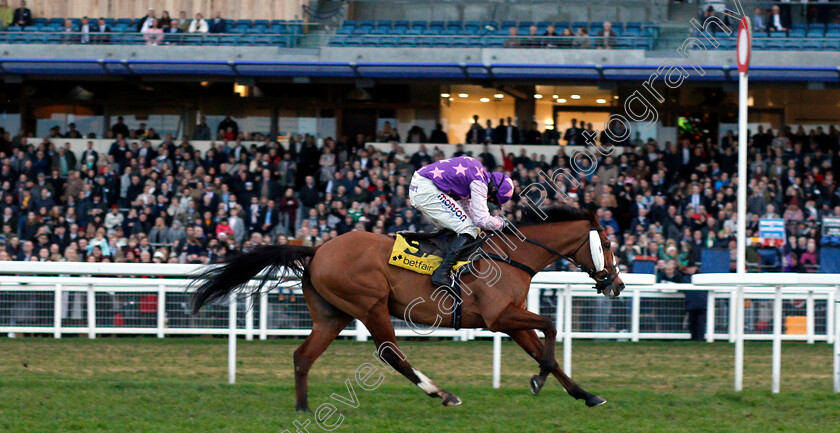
<point>410,255</point>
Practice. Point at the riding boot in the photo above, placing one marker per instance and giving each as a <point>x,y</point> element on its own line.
<point>441,274</point>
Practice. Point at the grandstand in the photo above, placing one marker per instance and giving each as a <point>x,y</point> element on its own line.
<point>309,88</point>
<point>184,132</point>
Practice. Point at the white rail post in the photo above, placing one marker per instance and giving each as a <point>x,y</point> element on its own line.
<point>263,315</point>
<point>249,317</point>
<point>710,316</point>
<point>829,316</point>
<point>361,331</point>
<point>497,360</point>
<point>809,316</point>
<point>836,340</point>
<point>161,311</point>
<point>739,339</point>
<point>777,340</point>
<point>733,316</point>
<point>57,312</point>
<point>534,300</point>
<point>567,335</point>
<point>232,338</point>
<point>559,318</point>
<point>635,314</point>
<point>91,316</point>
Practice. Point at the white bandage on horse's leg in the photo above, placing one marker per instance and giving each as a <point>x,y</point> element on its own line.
<point>425,383</point>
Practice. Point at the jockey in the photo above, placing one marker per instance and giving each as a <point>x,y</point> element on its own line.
<point>453,194</point>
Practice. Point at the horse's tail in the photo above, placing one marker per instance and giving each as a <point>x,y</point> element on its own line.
<point>220,280</point>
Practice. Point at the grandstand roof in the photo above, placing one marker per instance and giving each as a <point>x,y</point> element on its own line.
<point>510,71</point>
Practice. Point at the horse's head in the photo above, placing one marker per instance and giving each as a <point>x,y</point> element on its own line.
<point>597,259</point>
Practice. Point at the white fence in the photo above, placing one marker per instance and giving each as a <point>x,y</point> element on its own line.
<point>96,299</point>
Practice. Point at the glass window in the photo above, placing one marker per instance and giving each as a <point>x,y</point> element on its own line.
<point>86,119</point>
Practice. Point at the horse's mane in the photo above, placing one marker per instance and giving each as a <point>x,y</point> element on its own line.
<point>553,214</point>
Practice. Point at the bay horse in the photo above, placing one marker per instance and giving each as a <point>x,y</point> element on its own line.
<point>349,277</point>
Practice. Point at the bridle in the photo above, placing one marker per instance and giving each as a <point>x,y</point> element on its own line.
<point>603,278</point>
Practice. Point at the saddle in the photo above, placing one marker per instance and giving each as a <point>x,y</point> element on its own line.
<point>422,253</point>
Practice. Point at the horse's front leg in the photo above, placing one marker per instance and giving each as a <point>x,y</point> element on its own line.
<point>529,341</point>
<point>513,319</point>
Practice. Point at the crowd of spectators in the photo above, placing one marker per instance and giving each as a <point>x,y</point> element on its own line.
<point>169,202</point>
<point>566,38</point>
<point>156,29</point>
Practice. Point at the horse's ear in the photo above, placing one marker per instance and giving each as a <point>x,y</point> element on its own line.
<point>593,219</point>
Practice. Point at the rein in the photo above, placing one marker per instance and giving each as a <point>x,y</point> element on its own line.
<point>601,282</point>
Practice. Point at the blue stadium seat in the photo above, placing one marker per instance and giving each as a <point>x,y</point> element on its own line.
<point>816,26</point>
<point>831,44</point>
<point>347,23</point>
<point>264,23</point>
<point>368,23</point>
<point>832,33</point>
<point>383,24</point>
<point>433,31</point>
<point>561,25</point>
<point>242,23</point>
<point>492,24</point>
<point>39,21</point>
<point>493,41</point>
<point>776,44</point>
<point>508,24</point>
<point>380,31</point>
<point>644,44</point>
<point>812,44</point>
<point>353,41</point>
<point>280,29</point>
<point>454,24</point>
<point>578,24</point>
<point>341,31</point>
<point>422,25</point>
<point>799,26</point>
<point>437,24</point>
<point>406,41</point>
<point>797,33</point>
<point>402,24</point>
<point>633,32</point>
<point>760,44</point>
<point>59,21</point>
<point>633,25</point>
<point>830,260</point>
<point>338,40</point>
<point>363,30</point>
<point>816,33</point>
<point>371,41</point>
<point>544,24</point>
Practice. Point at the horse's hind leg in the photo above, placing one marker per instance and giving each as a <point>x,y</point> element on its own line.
<point>328,321</point>
<point>529,341</point>
<point>514,319</point>
<point>381,329</point>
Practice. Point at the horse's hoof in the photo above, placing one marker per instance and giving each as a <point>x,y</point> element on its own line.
<point>302,409</point>
<point>451,400</point>
<point>594,400</point>
<point>537,383</point>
